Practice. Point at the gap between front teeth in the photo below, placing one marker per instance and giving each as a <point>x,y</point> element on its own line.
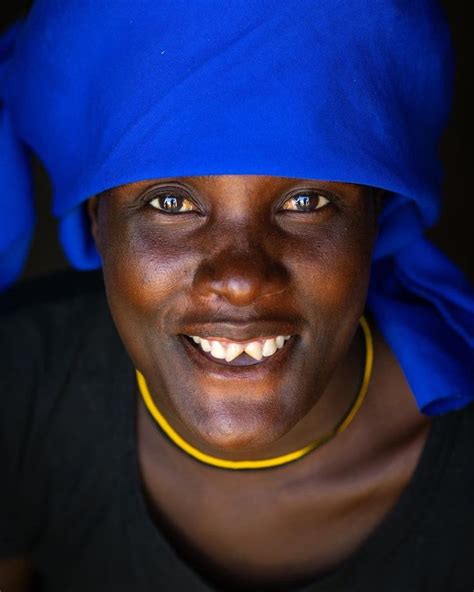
<point>228,351</point>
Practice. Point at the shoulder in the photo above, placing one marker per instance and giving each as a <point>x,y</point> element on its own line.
<point>461,425</point>
<point>45,325</point>
<point>58,347</point>
<point>37,314</point>
<point>52,294</point>
<point>55,334</point>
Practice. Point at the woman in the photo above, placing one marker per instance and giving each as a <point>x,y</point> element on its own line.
<point>222,416</point>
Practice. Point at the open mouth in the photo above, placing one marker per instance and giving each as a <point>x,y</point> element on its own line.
<point>237,353</point>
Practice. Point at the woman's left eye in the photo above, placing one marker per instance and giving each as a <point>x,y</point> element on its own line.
<point>172,204</point>
<point>305,202</point>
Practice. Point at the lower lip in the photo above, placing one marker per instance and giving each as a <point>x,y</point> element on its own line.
<point>267,365</point>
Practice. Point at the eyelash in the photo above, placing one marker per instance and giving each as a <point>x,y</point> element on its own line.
<point>327,201</point>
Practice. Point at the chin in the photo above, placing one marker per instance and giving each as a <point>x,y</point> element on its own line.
<point>235,426</point>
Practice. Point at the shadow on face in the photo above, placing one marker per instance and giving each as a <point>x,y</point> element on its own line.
<point>206,275</point>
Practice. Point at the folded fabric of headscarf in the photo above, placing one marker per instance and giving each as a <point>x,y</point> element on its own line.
<point>107,93</point>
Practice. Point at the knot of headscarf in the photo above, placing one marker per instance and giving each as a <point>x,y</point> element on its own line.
<point>347,90</point>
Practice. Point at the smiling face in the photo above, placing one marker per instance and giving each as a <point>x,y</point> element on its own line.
<point>237,297</point>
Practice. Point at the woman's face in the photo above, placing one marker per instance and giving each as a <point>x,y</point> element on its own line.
<point>245,262</point>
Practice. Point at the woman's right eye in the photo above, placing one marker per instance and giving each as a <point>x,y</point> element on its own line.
<point>170,203</point>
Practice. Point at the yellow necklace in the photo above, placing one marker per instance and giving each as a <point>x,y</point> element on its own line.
<point>278,460</point>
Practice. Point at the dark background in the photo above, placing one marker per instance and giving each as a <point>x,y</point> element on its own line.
<point>455,230</point>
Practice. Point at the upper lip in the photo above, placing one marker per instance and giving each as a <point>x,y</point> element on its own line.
<point>240,331</point>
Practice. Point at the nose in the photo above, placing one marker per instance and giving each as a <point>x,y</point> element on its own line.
<point>240,277</point>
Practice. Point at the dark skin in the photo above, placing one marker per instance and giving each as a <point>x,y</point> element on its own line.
<point>245,265</point>
<point>239,266</point>
<point>242,257</point>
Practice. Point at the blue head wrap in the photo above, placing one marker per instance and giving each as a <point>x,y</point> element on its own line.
<point>112,92</point>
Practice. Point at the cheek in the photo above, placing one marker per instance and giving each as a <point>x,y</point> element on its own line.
<point>331,276</point>
<point>333,266</point>
<point>143,267</point>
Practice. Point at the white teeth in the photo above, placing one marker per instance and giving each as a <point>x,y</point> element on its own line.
<point>206,346</point>
<point>269,347</point>
<point>217,350</point>
<point>254,350</point>
<point>233,350</point>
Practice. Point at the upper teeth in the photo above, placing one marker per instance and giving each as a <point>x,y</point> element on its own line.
<point>229,350</point>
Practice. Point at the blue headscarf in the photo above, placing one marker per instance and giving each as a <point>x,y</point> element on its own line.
<point>113,92</point>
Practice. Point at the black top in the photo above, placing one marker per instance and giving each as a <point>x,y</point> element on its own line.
<point>70,491</point>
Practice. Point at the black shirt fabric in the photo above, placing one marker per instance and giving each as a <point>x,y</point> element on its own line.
<point>70,492</point>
